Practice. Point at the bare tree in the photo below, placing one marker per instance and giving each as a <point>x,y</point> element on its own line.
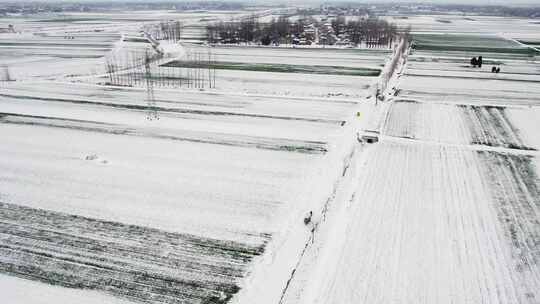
<point>166,30</point>
<point>150,98</point>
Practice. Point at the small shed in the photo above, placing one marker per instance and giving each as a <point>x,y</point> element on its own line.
<point>370,136</point>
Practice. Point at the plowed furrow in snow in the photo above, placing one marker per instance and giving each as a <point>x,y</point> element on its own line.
<point>456,124</point>
<point>401,121</point>
<point>490,126</point>
<point>515,187</point>
<point>143,264</point>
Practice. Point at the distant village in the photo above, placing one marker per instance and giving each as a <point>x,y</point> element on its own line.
<point>332,27</point>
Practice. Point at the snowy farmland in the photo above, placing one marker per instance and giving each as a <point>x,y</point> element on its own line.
<point>105,197</point>
<point>154,182</point>
<point>434,232</point>
<point>444,209</point>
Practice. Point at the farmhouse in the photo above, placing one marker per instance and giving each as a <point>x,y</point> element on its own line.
<point>9,29</point>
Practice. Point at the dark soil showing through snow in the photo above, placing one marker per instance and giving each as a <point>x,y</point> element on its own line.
<point>490,126</point>
<point>515,188</point>
<point>138,263</point>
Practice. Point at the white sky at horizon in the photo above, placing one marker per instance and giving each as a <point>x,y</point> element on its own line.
<point>472,2</point>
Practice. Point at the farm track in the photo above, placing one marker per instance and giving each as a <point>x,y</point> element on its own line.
<point>142,264</point>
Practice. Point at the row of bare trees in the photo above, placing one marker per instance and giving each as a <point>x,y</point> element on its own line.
<point>200,68</point>
<point>126,68</point>
<point>165,30</point>
<point>251,30</point>
<point>399,55</point>
<point>372,32</point>
<point>149,69</point>
<point>195,69</point>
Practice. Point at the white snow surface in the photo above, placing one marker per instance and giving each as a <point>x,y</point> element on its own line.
<point>21,291</point>
<point>444,209</point>
<point>240,163</point>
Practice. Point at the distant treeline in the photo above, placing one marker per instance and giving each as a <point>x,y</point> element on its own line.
<point>56,6</point>
<point>251,30</point>
<point>468,9</point>
<point>530,12</point>
<point>370,31</point>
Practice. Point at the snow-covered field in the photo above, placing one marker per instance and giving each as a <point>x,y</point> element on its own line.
<point>303,56</point>
<point>447,225</point>
<point>51,55</point>
<point>187,199</point>
<point>432,232</point>
<point>462,124</point>
<point>469,24</point>
<point>197,195</point>
<point>76,42</point>
<point>445,208</point>
<point>298,84</point>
